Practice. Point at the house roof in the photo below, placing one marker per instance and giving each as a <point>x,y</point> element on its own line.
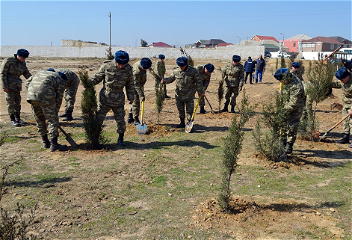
<point>323,39</point>
<point>266,38</point>
<point>160,44</point>
<point>341,39</point>
<point>213,42</point>
<point>224,44</point>
<point>300,36</point>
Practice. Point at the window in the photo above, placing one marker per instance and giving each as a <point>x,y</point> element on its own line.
<point>331,46</point>
<point>294,44</point>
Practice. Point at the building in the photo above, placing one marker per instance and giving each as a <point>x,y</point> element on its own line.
<point>80,43</point>
<point>320,44</point>
<point>259,38</point>
<point>346,43</point>
<point>293,44</point>
<point>160,44</point>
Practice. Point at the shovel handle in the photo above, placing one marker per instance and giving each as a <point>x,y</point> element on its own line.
<point>195,108</point>
<point>334,126</point>
<point>209,103</point>
<point>142,110</point>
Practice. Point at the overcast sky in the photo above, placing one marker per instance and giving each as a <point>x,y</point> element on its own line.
<point>45,23</point>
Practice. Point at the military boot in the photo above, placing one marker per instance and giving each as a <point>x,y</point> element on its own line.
<point>345,139</point>
<point>55,146</point>
<point>226,108</point>
<point>120,140</point>
<point>136,121</point>
<point>68,116</point>
<point>289,148</point>
<point>46,142</point>
<point>233,108</point>
<point>182,123</point>
<point>202,110</point>
<point>19,120</point>
<point>130,118</point>
<point>13,121</point>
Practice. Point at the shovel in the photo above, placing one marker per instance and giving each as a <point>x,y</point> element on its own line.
<point>142,128</point>
<point>189,125</point>
<point>333,127</point>
<point>68,137</point>
<point>212,111</point>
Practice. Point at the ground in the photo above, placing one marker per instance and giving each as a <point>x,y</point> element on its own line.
<point>254,216</point>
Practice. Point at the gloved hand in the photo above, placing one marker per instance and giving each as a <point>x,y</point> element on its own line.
<point>240,88</point>
<point>142,98</point>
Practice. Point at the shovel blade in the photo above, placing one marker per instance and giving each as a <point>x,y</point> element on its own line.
<point>189,126</point>
<point>142,129</point>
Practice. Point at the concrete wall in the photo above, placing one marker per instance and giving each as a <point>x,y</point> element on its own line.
<point>136,52</point>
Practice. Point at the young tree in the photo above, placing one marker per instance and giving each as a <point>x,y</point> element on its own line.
<point>144,43</point>
<point>190,60</point>
<point>109,54</point>
<point>232,148</point>
<point>220,92</point>
<point>92,126</point>
<point>160,95</point>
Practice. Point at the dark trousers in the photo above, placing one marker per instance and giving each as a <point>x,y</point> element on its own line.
<point>250,77</point>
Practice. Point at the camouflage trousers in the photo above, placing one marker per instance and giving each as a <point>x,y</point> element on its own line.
<point>42,113</point>
<point>181,108</point>
<point>70,98</point>
<point>202,101</point>
<point>347,123</point>
<point>228,93</point>
<point>292,126</point>
<point>135,106</point>
<point>13,101</point>
<point>119,115</point>
<point>307,115</point>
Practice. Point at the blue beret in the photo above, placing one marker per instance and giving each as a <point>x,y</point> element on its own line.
<point>236,58</point>
<point>51,69</point>
<point>341,73</point>
<point>280,73</point>
<point>63,75</point>
<point>22,53</point>
<point>209,67</point>
<point>296,64</point>
<point>161,56</point>
<point>182,61</point>
<point>146,63</point>
<point>122,57</point>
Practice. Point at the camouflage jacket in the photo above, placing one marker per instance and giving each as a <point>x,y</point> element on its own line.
<point>187,83</point>
<point>294,92</point>
<point>233,75</point>
<point>139,78</point>
<point>72,78</point>
<point>297,74</point>
<point>205,76</point>
<point>46,87</point>
<point>159,68</point>
<point>114,80</point>
<point>346,91</point>
<point>10,72</point>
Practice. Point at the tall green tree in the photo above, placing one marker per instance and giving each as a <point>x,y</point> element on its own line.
<point>144,43</point>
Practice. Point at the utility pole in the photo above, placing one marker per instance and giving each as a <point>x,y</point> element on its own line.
<point>110,28</point>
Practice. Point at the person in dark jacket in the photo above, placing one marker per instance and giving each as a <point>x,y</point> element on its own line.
<point>249,68</point>
<point>260,69</point>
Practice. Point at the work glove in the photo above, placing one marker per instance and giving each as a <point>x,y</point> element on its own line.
<point>142,98</point>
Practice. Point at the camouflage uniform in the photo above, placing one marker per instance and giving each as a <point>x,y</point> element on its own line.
<point>205,79</point>
<point>44,92</point>
<point>139,79</point>
<point>297,74</point>
<point>347,103</point>
<point>307,114</point>
<point>11,70</point>
<point>187,83</point>
<point>294,93</point>
<point>111,96</point>
<point>234,78</point>
<point>71,88</point>
<point>159,69</point>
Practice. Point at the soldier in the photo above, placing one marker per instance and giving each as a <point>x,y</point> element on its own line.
<point>295,70</point>
<point>188,82</point>
<point>233,74</point>
<point>11,70</point>
<point>160,69</point>
<point>70,93</point>
<point>205,73</point>
<point>115,74</point>
<point>44,92</point>
<point>294,93</point>
<point>139,78</point>
<point>346,84</point>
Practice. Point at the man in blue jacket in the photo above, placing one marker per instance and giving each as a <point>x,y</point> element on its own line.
<point>249,68</point>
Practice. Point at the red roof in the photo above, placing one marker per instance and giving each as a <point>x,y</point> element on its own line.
<point>160,44</point>
<point>266,38</point>
<point>323,39</point>
<point>224,44</point>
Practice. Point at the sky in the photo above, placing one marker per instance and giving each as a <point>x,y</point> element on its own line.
<point>45,23</point>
